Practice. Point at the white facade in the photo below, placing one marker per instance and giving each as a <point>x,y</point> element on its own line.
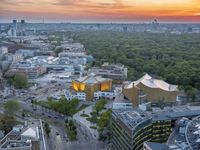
<point>82,95</point>
<point>118,105</point>
<point>79,95</point>
<point>3,50</point>
<point>104,94</point>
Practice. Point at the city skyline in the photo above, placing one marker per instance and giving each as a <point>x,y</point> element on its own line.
<point>101,10</point>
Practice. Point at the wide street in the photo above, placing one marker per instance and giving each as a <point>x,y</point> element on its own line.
<point>58,137</point>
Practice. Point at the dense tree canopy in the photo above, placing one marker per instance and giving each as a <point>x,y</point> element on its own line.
<point>62,106</point>
<point>19,80</point>
<point>6,122</point>
<point>174,58</point>
<point>99,105</point>
<point>11,107</point>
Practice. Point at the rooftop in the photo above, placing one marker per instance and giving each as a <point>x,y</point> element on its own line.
<point>120,99</point>
<point>134,117</point>
<point>16,144</point>
<point>193,133</point>
<point>156,146</point>
<point>148,81</point>
<point>131,118</point>
<point>186,136</point>
<point>113,65</point>
<point>91,79</point>
<point>22,135</point>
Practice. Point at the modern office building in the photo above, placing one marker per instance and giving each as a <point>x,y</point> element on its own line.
<point>92,86</point>
<point>184,137</point>
<point>155,146</point>
<point>22,30</point>
<point>14,28</point>
<point>58,64</point>
<point>112,71</point>
<point>148,89</point>
<point>15,24</point>
<point>131,128</point>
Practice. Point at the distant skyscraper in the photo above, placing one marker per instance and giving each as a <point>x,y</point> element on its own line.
<point>22,27</point>
<point>13,32</point>
<point>14,28</point>
<point>22,23</point>
<point>15,24</point>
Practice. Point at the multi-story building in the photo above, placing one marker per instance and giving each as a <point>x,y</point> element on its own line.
<point>131,128</point>
<point>32,70</point>
<point>93,87</point>
<point>56,63</point>
<point>29,136</point>
<point>184,137</point>
<point>148,89</point>
<point>112,71</point>
<point>3,50</point>
<point>27,52</point>
<point>13,58</point>
<point>72,47</point>
<point>155,146</point>
<point>79,57</point>
<point>6,59</point>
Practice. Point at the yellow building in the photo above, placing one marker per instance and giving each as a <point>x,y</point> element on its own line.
<point>147,89</point>
<point>90,84</point>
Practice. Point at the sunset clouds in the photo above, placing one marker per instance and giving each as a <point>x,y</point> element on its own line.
<point>101,10</point>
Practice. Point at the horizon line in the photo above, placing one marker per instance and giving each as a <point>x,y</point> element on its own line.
<point>101,22</point>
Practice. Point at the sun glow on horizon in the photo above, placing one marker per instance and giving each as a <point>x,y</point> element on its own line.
<point>102,10</point>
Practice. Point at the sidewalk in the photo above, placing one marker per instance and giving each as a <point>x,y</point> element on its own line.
<point>87,124</point>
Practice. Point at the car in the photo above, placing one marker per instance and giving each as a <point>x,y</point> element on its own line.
<point>49,116</point>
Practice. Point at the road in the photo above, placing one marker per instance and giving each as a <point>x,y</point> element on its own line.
<point>58,136</point>
<point>56,140</point>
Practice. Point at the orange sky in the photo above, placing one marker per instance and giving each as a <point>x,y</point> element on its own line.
<point>101,10</point>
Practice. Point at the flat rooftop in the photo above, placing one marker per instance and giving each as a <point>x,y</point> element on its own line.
<point>133,117</point>
<point>156,146</point>
<point>16,144</point>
